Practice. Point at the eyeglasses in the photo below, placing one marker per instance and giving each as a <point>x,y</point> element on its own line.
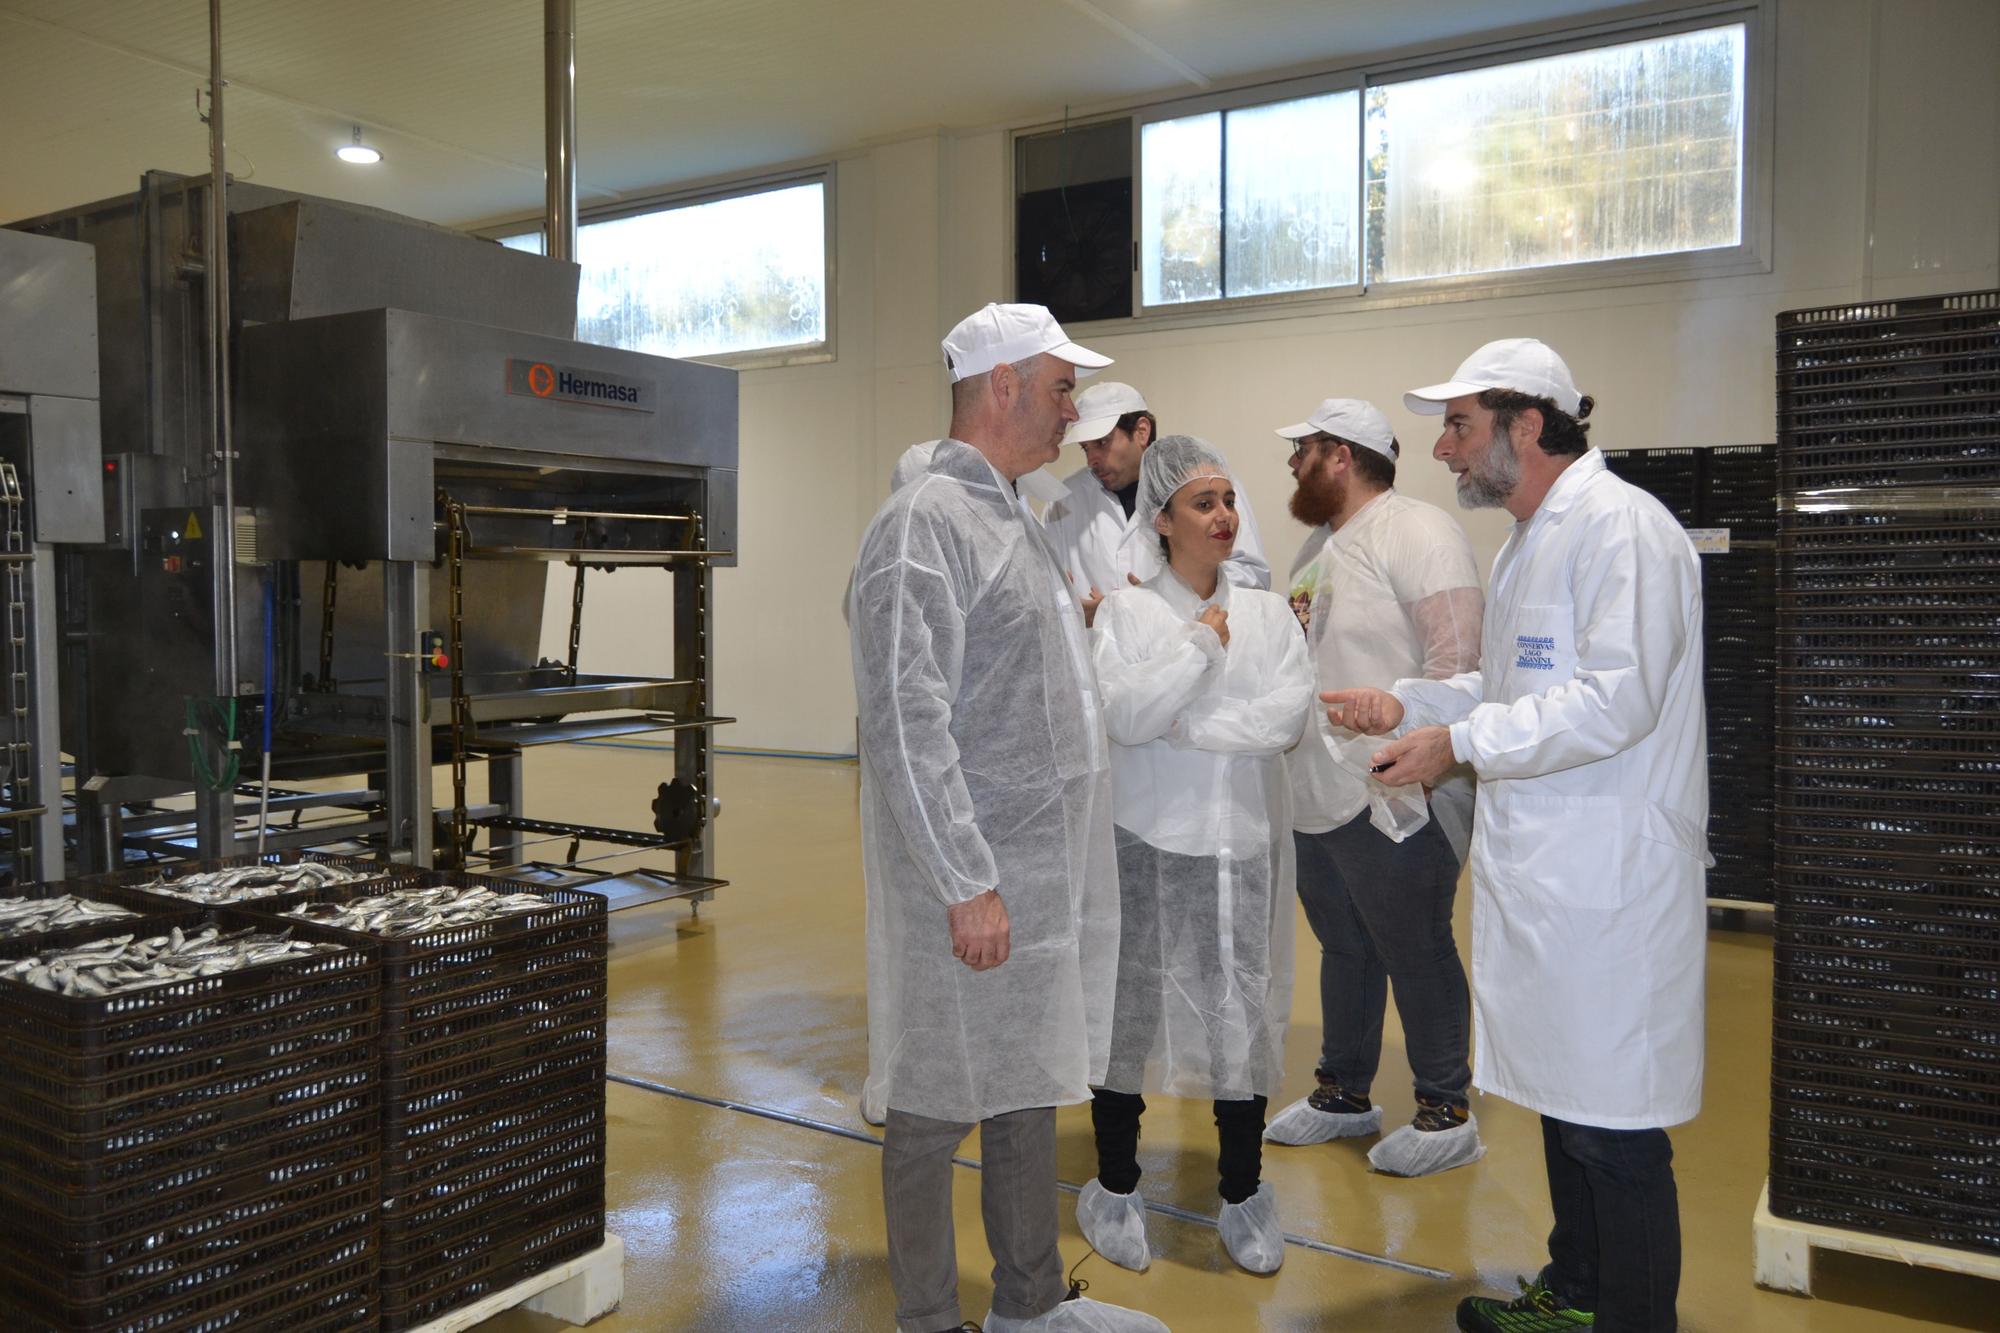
<point>1305,442</point>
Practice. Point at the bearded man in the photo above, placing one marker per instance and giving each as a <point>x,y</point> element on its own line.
<point>1387,589</point>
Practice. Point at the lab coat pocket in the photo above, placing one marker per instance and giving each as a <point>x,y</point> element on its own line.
<point>1565,849</point>
<point>1543,651</point>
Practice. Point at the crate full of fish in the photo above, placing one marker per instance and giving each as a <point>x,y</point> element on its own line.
<point>193,1104</point>
<point>52,914</point>
<point>271,880</point>
<point>130,1015</point>
<point>453,935</point>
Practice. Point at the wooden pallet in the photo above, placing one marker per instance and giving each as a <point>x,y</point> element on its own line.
<point>576,1292</point>
<point>1783,1250</point>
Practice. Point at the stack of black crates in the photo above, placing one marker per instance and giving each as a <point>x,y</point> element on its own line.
<point>493,1049</point>
<point>1886,1042</point>
<point>364,1138</point>
<point>198,1154</point>
<point>1729,494</point>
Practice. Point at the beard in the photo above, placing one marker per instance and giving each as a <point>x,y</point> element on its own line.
<point>1489,481</point>
<point>1317,497</point>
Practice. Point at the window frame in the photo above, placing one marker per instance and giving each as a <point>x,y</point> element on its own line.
<point>1292,90</point>
<point>1751,255</point>
<point>761,358</point>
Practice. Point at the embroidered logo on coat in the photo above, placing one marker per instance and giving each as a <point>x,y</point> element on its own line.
<point>1535,652</point>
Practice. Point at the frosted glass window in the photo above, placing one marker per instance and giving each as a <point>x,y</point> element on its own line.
<point>1612,153</point>
<point>1180,211</point>
<point>1293,173</point>
<point>735,275</point>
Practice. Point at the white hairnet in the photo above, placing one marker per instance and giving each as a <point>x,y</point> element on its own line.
<point>1168,464</point>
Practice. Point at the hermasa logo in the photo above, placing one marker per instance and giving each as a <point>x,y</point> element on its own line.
<point>571,384</point>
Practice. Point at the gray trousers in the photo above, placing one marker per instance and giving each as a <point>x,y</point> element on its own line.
<point>1017,1197</point>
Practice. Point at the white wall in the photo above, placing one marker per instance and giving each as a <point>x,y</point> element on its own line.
<point>1887,183</point>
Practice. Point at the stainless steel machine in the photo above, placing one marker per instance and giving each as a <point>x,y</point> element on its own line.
<point>410,437</point>
<point>50,492</point>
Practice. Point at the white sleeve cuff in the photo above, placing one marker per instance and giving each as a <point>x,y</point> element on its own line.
<point>1461,741</point>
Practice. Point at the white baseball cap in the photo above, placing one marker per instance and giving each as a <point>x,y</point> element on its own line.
<point>1525,365</point>
<point>1350,419</point>
<point>998,333</point>
<point>1098,409</point>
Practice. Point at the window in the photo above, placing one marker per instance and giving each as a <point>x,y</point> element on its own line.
<point>719,277</point>
<point>1622,149</point>
<point>1251,200</point>
<point>1627,150</point>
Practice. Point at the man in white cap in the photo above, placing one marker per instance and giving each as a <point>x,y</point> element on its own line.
<point>986,837</point>
<point>1586,727</point>
<point>1092,526</point>
<point>1387,588</point>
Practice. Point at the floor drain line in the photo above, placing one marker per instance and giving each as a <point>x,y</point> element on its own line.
<point>1163,1209</point>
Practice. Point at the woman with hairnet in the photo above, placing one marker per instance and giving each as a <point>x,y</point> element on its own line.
<point>1204,686</point>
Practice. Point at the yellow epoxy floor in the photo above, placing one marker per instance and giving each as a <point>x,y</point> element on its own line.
<point>733,1221</point>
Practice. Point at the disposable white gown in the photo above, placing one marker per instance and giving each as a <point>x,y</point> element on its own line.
<point>1392,594</point>
<point>983,766</point>
<point>1204,834</point>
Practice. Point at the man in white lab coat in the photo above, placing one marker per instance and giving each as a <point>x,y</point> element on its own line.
<point>1092,526</point>
<point>1586,728</point>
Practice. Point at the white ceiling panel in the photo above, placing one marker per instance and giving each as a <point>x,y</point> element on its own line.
<point>94,92</point>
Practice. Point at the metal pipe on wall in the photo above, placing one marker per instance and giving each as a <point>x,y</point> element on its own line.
<point>215,259</point>
<point>559,127</point>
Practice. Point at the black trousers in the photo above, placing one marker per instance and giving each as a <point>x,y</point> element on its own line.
<point>1616,1246</point>
<point>1239,1125</point>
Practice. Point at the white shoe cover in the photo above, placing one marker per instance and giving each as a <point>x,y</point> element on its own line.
<point>1115,1224</point>
<point>873,1110</point>
<point>1077,1316</point>
<point>1302,1123</point>
<point>1251,1234</point>
<point>1414,1152</point>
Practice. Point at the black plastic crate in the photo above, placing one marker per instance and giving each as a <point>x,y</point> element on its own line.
<point>93,1053</point>
<point>459,960</point>
<point>519,1134</point>
<point>217,1250</point>
<point>545,1166</point>
<point>64,935</point>
<point>296,1289</point>
<point>140,886</point>
<point>576,1236</point>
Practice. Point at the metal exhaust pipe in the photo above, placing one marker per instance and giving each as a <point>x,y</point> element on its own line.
<point>215,258</point>
<point>559,127</point>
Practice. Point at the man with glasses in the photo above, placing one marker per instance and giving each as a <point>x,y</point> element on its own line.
<point>1386,588</point>
<point>1092,527</point>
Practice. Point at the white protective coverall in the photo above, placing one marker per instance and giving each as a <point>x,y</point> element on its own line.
<point>1587,729</point>
<point>983,766</point>
<point>1393,593</point>
<point>1204,834</point>
<point>1099,545</point>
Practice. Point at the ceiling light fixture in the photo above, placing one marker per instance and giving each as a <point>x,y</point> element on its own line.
<point>359,153</point>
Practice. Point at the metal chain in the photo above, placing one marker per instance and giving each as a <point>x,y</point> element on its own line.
<point>575,622</point>
<point>20,750</point>
<point>329,592</point>
<point>461,708</point>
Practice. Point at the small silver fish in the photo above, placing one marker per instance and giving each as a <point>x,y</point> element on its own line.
<point>106,967</point>
<point>34,916</point>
